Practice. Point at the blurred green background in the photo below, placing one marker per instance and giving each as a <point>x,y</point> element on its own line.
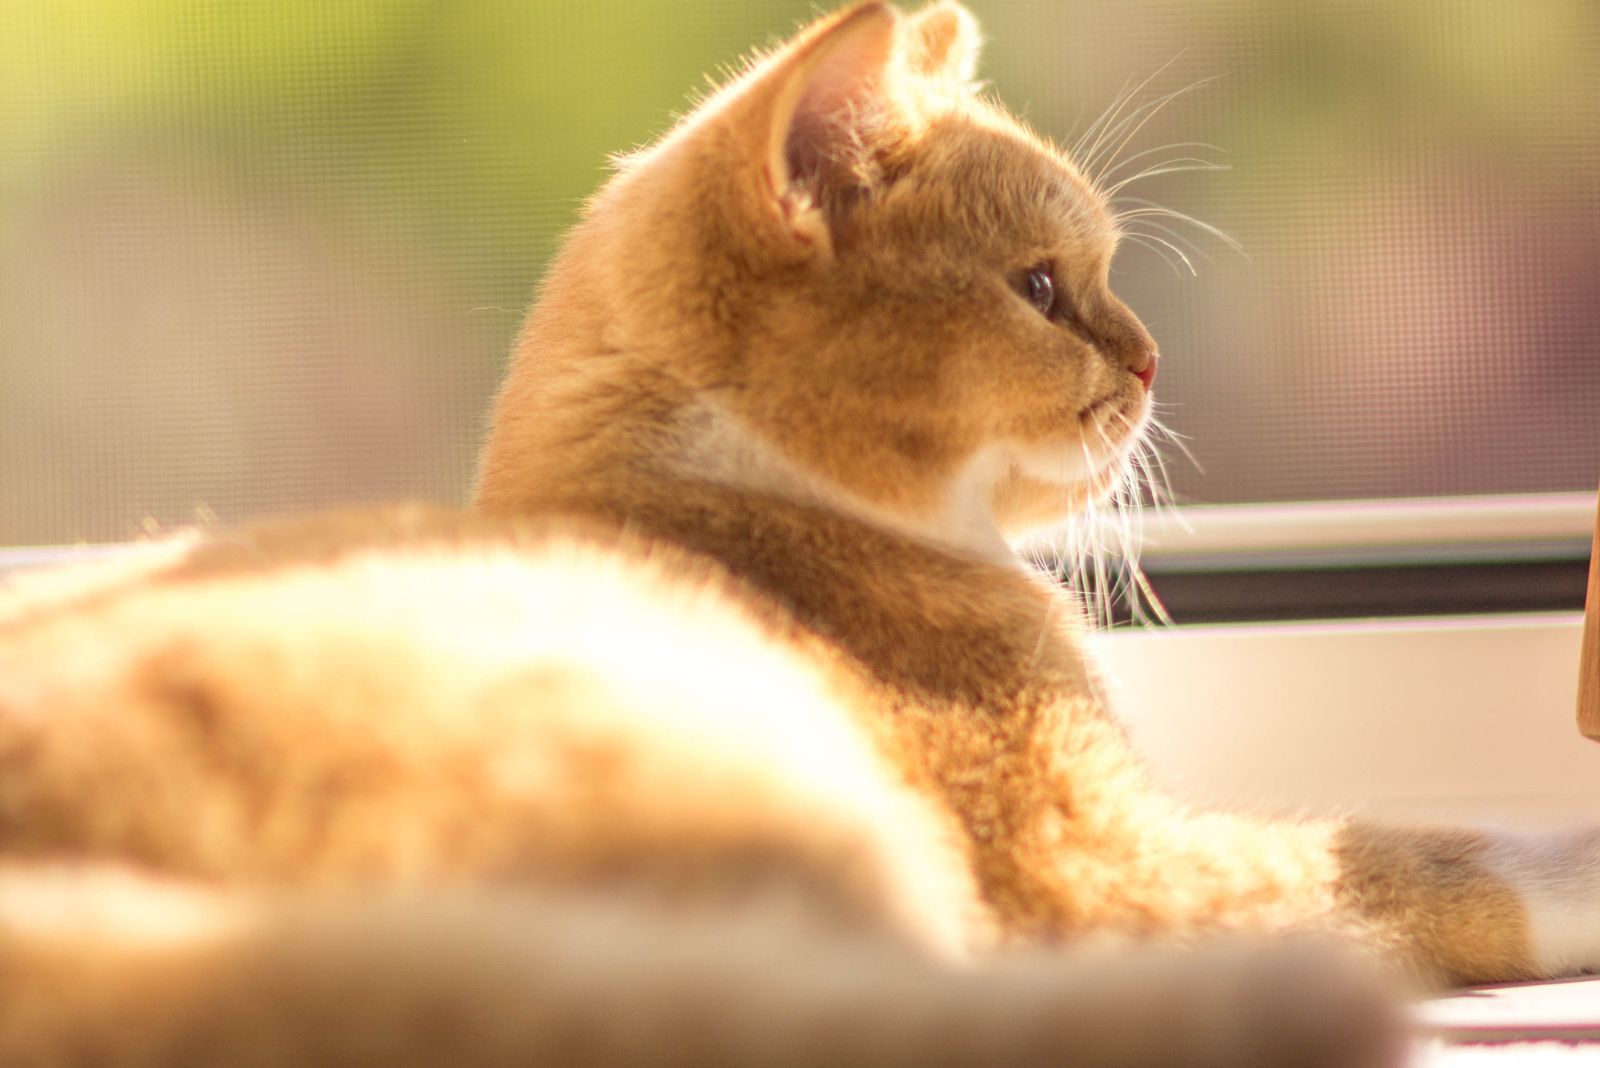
<point>262,257</point>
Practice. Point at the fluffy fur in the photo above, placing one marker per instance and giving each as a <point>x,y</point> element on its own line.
<point>726,729</point>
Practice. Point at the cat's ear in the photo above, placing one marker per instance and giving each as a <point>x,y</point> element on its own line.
<point>833,93</point>
<point>944,41</point>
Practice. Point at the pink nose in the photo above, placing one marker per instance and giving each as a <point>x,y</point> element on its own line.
<point>1147,374</point>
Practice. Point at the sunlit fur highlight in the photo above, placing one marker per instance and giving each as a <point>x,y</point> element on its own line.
<point>725,729</point>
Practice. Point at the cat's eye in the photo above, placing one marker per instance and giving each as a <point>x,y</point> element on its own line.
<point>1040,288</point>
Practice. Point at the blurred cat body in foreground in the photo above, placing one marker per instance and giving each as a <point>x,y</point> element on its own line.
<point>726,729</point>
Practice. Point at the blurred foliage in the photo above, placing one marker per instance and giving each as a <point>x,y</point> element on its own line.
<point>276,237</point>
<point>489,107</point>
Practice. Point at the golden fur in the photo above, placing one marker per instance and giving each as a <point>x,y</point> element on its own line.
<point>726,729</point>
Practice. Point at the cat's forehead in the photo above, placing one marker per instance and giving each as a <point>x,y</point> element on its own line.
<point>1004,175</point>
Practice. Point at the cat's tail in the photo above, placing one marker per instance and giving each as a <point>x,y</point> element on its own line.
<point>103,969</point>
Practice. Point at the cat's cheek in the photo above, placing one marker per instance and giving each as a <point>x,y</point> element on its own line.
<point>1557,878</point>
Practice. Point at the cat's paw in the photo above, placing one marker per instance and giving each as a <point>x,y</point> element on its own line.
<point>1556,878</point>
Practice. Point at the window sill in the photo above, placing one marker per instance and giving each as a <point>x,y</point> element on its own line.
<point>1455,718</point>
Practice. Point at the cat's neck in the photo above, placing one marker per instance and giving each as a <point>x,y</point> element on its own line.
<point>711,445</point>
<point>564,433</point>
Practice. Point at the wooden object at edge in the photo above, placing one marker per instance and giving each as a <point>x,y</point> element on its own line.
<point>1589,662</point>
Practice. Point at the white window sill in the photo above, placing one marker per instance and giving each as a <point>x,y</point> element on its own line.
<point>1430,530</point>
<point>1456,718</point>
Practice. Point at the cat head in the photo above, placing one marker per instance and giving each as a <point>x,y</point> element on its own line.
<point>847,274</point>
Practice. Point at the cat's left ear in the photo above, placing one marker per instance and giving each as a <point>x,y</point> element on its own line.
<point>834,91</point>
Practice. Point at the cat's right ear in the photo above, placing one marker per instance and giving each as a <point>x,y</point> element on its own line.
<point>945,41</point>
<point>834,89</point>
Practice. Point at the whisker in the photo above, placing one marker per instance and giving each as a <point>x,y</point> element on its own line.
<point>1177,439</point>
<point>1150,466</point>
<point>1098,127</point>
<point>1175,249</point>
<point>1130,160</point>
<point>1157,482</point>
<point>1113,121</point>
<point>1179,165</point>
<point>1129,533</point>
<point>1122,533</point>
<point>1159,410</point>
<point>1149,242</point>
<point>1094,549</point>
<point>1160,479</point>
<point>1148,207</point>
<point>1124,95</point>
<point>1138,117</point>
<point>1144,604</point>
<point>1163,617</point>
<point>1177,236</point>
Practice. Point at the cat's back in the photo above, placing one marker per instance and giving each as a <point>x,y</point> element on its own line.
<point>435,695</point>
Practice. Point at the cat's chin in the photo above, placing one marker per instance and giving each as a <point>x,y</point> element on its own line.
<point>1026,506</point>
<point>1092,460</point>
<point>1050,483</point>
<point>1075,471</point>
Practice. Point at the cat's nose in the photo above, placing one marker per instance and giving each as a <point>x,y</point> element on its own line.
<point>1147,372</point>
<point>1129,343</point>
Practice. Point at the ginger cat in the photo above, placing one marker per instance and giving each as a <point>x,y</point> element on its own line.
<point>726,729</point>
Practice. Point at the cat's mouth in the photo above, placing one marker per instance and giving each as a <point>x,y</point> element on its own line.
<point>1095,457</point>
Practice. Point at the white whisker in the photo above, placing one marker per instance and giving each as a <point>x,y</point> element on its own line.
<point>1101,126</point>
<point>1113,526</point>
<point>1137,119</point>
<point>1148,242</point>
<point>1130,160</point>
<point>1177,439</point>
<point>1171,166</point>
<point>1175,249</point>
<point>1147,208</point>
<point>1096,129</point>
<point>1177,236</point>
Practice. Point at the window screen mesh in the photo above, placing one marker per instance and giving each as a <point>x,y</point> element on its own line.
<point>267,257</point>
